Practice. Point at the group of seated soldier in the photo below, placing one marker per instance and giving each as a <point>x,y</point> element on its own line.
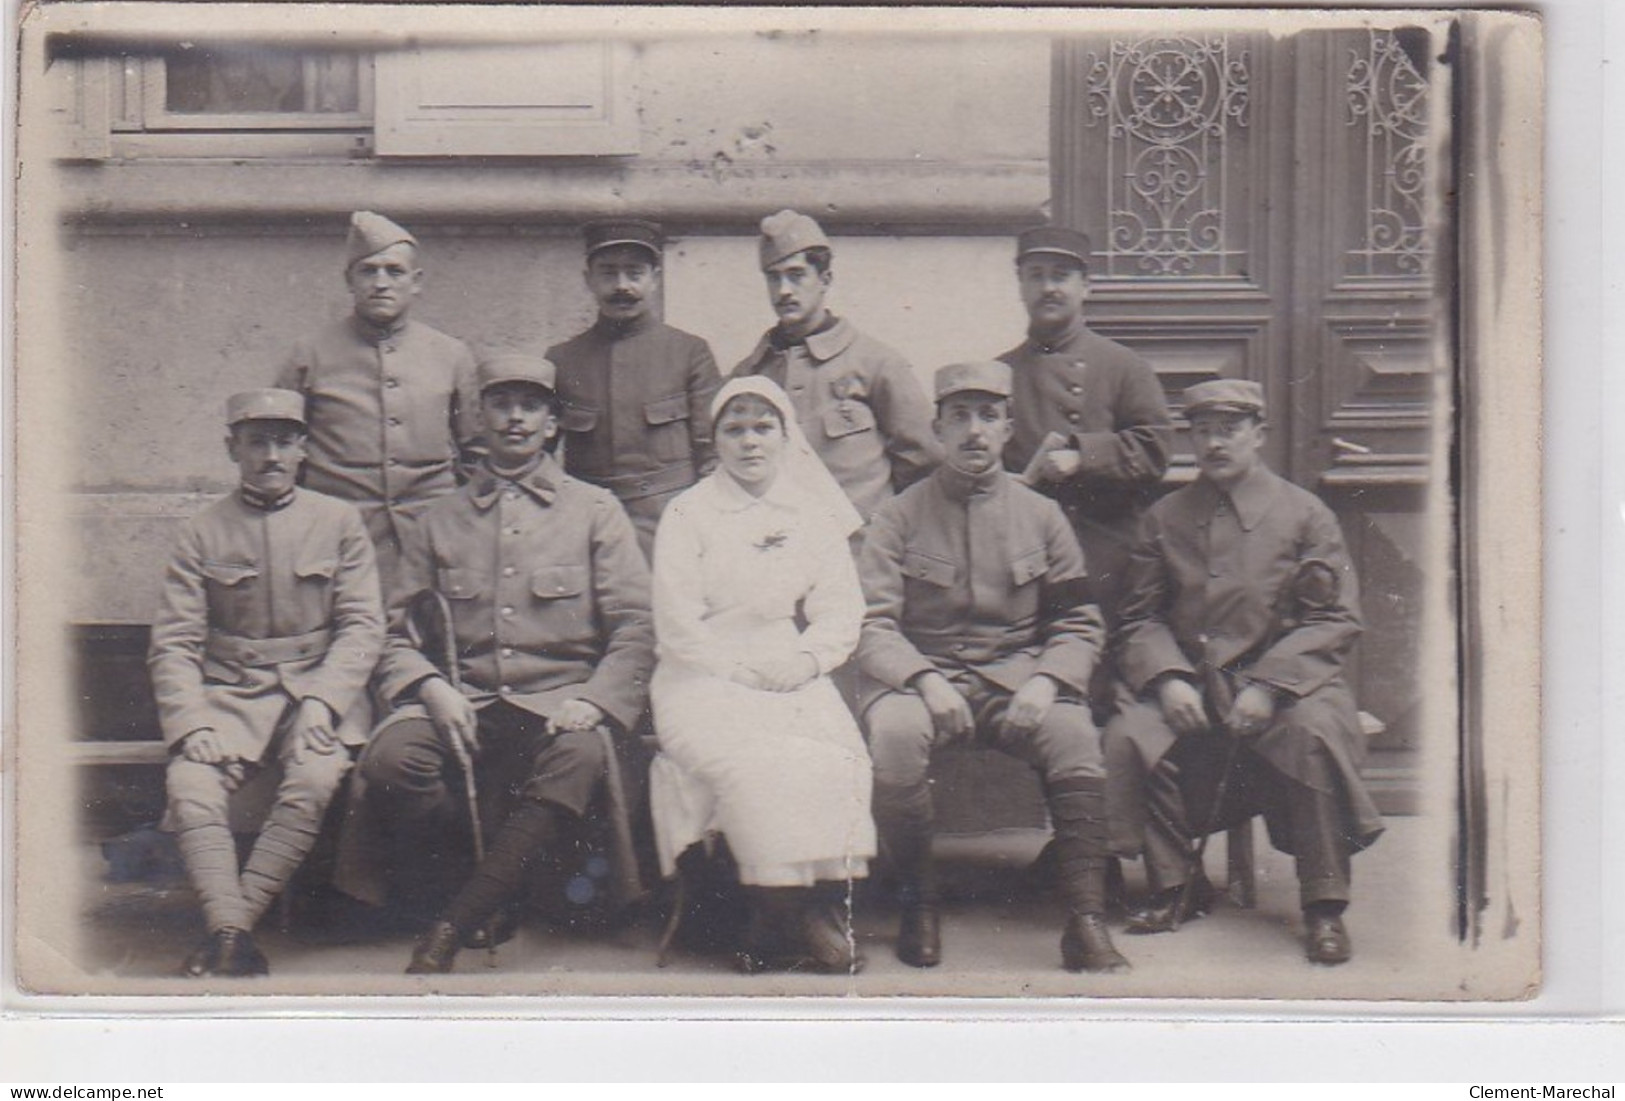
<point>411,580</point>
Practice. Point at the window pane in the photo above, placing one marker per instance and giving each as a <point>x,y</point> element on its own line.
<point>228,81</point>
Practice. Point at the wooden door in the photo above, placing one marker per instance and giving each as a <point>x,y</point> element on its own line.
<point>1266,208</point>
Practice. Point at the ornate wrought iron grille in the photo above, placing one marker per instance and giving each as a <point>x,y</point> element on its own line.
<point>1388,95</point>
<point>1172,106</point>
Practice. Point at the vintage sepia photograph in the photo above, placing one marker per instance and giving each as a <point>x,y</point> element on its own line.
<point>907,503</point>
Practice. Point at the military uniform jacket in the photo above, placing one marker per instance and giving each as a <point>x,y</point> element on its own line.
<point>260,610</point>
<point>1106,401</point>
<point>549,596</point>
<point>389,411</point>
<point>860,406</point>
<point>983,575</point>
<point>637,406</point>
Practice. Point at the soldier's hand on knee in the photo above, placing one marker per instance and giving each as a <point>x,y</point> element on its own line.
<point>1030,704</point>
<point>575,716</point>
<point>451,712</point>
<point>1252,712</point>
<point>1182,706</point>
<point>203,746</point>
<point>950,713</point>
<point>313,727</point>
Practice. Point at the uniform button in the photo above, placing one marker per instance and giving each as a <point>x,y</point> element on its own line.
<point>513,531</point>
<point>392,382</point>
<point>507,609</point>
<point>394,462</point>
<point>508,571</point>
<point>506,689</point>
<point>1078,363</point>
<point>396,421</point>
<point>389,347</point>
<point>1075,388</point>
<point>1074,417</point>
<point>507,651</point>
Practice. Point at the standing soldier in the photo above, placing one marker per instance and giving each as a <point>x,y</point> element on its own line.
<point>1091,424</point>
<point>1240,614</point>
<point>390,401</point>
<point>553,643</point>
<point>979,628</point>
<point>637,392</point>
<point>857,400</point>
<point>269,626</point>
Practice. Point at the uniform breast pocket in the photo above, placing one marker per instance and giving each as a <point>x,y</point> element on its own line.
<point>231,586</point>
<point>561,604</point>
<point>558,582</point>
<point>847,418</point>
<point>457,583</point>
<point>929,568</point>
<point>578,418</point>
<point>1029,566</point>
<point>667,421</point>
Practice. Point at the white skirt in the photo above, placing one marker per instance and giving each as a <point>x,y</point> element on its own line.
<point>784,776</point>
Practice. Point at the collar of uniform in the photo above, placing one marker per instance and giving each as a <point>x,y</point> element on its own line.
<point>960,486</point>
<point>1251,497</point>
<point>258,501</point>
<point>832,340</point>
<point>376,334</point>
<point>733,497</point>
<point>542,482</point>
<point>610,328</point>
<point>1048,343</point>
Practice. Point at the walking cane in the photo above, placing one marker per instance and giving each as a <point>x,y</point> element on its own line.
<point>431,630</point>
<point>1216,692</point>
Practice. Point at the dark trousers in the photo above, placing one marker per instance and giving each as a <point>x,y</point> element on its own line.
<point>420,793</point>
<point>1064,748</point>
<point>1180,794</point>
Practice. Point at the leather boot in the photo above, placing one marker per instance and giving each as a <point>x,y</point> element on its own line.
<point>435,951</point>
<point>1087,946</point>
<point>826,941</point>
<point>237,956</point>
<point>499,930</point>
<point>919,935</point>
<point>919,932</point>
<point>1327,941</point>
<point>203,959</point>
<point>1169,908</point>
<point>774,914</point>
<point>1077,806</point>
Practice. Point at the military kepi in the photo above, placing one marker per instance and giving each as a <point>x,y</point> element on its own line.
<point>786,233</point>
<point>513,368</point>
<point>266,405</point>
<point>1057,240</point>
<point>370,233</point>
<point>982,377</point>
<point>1225,395</point>
<point>638,232</point>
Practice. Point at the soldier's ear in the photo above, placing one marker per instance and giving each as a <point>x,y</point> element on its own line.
<point>231,444</point>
